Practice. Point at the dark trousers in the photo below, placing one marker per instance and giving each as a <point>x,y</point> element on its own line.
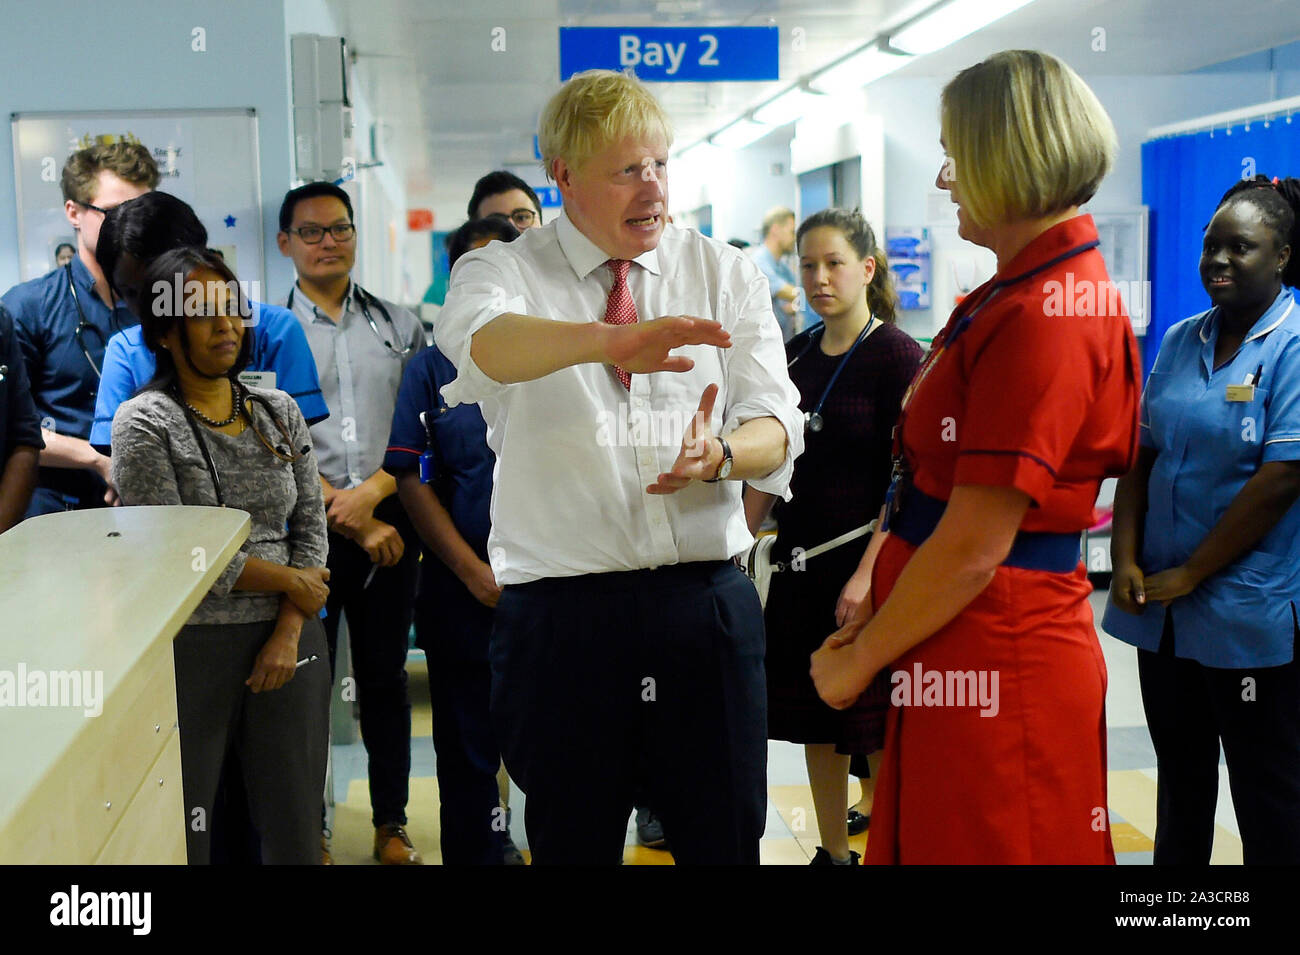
<point>472,822</point>
<point>604,683</point>
<point>65,489</point>
<point>1256,714</point>
<point>278,738</point>
<point>379,624</point>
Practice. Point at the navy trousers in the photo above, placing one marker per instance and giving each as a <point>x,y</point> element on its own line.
<point>606,685</point>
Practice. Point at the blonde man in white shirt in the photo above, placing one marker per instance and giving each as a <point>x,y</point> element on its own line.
<point>632,376</point>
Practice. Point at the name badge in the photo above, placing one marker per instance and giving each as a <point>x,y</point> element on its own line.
<point>1241,393</point>
<point>261,379</point>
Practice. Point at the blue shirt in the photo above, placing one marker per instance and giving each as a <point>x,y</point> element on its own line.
<point>46,319</point>
<point>278,346</point>
<point>778,277</point>
<point>1207,449</point>
<point>462,460</point>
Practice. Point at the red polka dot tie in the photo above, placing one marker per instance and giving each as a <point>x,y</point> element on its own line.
<point>620,309</point>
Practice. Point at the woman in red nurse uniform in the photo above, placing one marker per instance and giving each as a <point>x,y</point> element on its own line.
<point>995,746</point>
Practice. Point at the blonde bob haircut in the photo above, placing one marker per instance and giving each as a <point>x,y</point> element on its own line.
<point>1027,136</point>
<point>594,109</point>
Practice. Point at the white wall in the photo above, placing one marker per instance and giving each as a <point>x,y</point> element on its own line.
<point>910,111</point>
<point>740,185</point>
<point>137,55</point>
<point>391,261</point>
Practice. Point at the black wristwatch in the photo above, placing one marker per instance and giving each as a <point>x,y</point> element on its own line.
<point>724,469</point>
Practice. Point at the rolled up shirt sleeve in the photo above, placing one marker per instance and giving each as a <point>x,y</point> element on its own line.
<point>758,385</point>
<point>480,291</point>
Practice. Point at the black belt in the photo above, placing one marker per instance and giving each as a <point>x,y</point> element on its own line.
<point>919,514</point>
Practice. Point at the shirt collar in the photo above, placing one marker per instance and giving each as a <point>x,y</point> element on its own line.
<point>1273,318</point>
<point>1057,240</point>
<point>313,311</point>
<point>81,275</point>
<point>584,256</point>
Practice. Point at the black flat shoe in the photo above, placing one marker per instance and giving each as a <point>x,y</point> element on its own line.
<point>824,858</point>
<point>858,823</point>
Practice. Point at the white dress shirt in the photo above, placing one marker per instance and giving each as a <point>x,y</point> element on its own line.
<point>575,450</point>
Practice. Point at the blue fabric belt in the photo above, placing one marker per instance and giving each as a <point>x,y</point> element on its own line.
<point>920,513</point>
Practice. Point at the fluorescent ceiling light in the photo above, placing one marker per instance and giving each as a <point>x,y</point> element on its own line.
<point>950,23</point>
<point>739,134</point>
<point>858,70</point>
<point>793,104</point>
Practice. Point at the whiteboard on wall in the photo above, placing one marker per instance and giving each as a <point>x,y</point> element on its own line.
<point>208,157</point>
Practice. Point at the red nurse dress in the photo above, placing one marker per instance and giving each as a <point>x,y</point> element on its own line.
<point>1038,391</point>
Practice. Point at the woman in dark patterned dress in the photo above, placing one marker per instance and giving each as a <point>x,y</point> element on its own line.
<point>851,371</point>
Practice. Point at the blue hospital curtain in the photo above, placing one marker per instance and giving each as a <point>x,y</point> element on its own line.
<point>1183,178</point>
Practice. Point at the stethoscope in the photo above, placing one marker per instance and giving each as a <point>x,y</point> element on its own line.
<point>284,452</point>
<point>82,324</point>
<point>361,295</point>
<point>812,420</point>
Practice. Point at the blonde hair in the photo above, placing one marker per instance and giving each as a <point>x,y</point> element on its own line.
<point>776,216</point>
<point>1027,136</point>
<point>594,109</point>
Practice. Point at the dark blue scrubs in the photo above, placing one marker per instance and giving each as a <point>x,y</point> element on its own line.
<point>451,626</point>
<point>63,361</point>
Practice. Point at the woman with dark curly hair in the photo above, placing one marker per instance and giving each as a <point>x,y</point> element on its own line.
<point>1206,542</point>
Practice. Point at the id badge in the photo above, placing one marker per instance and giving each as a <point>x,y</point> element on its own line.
<point>258,379</point>
<point>426,467</point>
<point>1241,393</point>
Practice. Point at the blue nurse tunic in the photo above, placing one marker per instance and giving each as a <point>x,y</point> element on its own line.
<point>1210,441</point>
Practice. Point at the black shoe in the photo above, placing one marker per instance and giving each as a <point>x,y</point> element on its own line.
<point>824,858</point>
<point>512,855</point>
<point>649,830</point>
<point>858,823</point>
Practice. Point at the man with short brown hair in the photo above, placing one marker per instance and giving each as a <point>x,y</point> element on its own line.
<point>63,321</point>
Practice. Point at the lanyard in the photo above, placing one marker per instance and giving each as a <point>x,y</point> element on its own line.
<point>813,419</point>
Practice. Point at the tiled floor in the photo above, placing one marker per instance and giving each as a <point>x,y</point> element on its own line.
<point>791,835</point>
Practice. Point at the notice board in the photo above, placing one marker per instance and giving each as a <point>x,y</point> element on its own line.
<point>209,158</point>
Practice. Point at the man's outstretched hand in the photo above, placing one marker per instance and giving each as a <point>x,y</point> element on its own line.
<point>698,459</point>
<point>643,348</point>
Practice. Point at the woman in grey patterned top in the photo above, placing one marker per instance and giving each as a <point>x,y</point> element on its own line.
<point>252,678</point>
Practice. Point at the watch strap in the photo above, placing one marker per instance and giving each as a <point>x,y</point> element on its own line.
<point>723,464</point>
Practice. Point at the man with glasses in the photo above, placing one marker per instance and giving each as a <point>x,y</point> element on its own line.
<point>504,194</point>
<point>361,345</point>
<point>63,321</point>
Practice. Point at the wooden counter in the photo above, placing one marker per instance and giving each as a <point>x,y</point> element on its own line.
<point>93,599</point>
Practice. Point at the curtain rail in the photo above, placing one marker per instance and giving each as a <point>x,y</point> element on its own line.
<point>1280,107</point>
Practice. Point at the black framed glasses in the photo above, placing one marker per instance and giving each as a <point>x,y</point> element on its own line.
<point>313,234</point>
<point>523,218</point>
<point>87,205</point>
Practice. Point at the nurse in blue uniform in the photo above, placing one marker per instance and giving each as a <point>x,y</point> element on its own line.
<point>1206,542</point>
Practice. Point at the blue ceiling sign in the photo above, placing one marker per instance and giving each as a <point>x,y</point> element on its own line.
<point>673,54</point>
<point>548,196</point>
